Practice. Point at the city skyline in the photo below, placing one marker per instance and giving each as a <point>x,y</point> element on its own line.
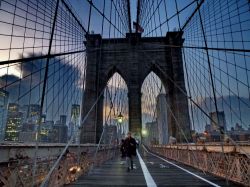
<point>23,121</point>
<point>66,74</point>
<point>164,82</point>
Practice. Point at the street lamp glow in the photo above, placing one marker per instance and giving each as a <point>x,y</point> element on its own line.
<point>144,132</point>
<point>120,118</point>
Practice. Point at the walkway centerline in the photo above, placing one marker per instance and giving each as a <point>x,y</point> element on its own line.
<point>149,179</point>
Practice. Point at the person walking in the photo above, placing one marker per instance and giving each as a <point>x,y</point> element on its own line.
<point>130,150</point>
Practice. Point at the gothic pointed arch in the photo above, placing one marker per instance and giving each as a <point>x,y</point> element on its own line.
<point>133,58</point>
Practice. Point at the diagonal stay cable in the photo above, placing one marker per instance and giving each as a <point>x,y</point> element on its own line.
<point>182,131</point>
<point>45,181</point>
<point>180,89</point>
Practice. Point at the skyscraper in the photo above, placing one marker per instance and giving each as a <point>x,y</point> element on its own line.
<point>14,123</point>
<point>25,110</point>
<point>63,119</point>
<point>31,117</point>
<point>46,129</point>
<point>46,132</point>
<point>161,112</point>
<point>75,112</point>
<point>4,96</point>
<point>74,122</point>
<point>152,137</point>
<point>60,133</point>
<point>34,113</point>
<point>218,122</point>
<point>13,107</point>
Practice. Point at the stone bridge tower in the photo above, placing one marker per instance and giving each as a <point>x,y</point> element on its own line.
<point>134,58</point>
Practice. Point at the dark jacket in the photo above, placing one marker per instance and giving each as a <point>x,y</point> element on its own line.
<point>130,147</point>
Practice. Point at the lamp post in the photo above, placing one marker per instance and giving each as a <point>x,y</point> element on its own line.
<point>144,132</point>
<point>120,118</point>
<point>119,123</point>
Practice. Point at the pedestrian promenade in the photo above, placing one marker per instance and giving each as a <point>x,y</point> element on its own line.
<point>149,170</point>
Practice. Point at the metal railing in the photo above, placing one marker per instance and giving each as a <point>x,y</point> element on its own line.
<point>16,166</point>
<point>232,165</point>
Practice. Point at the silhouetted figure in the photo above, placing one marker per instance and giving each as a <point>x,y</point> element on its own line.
<point>130,150</point>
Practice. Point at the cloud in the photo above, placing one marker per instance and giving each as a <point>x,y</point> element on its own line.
<point>62,83</point>
<point>13,69</point>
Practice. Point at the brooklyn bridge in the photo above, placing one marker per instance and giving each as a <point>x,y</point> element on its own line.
<point>77,76</point>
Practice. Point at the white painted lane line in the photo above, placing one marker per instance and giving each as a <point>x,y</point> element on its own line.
<point>199,177</point>
<point>149,179</point>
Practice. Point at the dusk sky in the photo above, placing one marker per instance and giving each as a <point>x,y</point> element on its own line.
<point>28,32</point>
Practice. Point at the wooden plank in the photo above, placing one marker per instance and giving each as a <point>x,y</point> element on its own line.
<point>113,173</point>
<point>165,174</point>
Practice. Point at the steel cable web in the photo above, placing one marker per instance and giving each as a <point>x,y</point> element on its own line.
<point>153,124</point>
<point>215,55</point>
<point>151,88</point>
<point>43,69</point>
<point>216,158</point>
<point>116,102</point>
<point>216,50</point>
<point>229,70</point>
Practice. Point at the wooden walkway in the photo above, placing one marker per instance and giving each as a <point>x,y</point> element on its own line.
<point>113,173</point>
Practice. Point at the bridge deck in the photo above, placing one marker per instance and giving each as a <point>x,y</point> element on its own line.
<point>113,173</point>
